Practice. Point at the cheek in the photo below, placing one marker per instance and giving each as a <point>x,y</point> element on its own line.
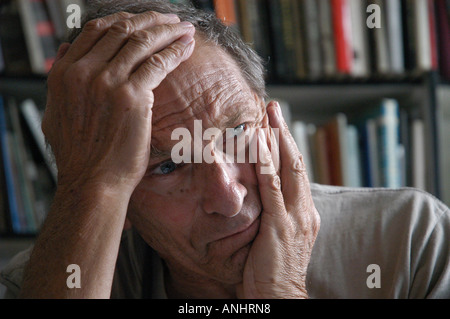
<point>161,215</point>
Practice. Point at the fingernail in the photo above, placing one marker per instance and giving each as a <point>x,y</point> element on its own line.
<point>171,15</point>
<point>186,24</point>
<point>278,110</point>
<point>186,39</point>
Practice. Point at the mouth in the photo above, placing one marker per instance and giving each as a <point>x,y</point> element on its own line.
<point>245,231</point>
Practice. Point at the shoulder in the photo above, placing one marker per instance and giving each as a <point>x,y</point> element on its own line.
<point>406,200</point>
<point>404,231</point>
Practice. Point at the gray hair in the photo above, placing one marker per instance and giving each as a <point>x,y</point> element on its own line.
<point>212,29</point>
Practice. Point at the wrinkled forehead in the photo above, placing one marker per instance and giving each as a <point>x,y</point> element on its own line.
<point>204,84</point>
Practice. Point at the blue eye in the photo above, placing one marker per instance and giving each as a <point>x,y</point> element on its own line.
<point>165,168</point>
<point>239,129</point>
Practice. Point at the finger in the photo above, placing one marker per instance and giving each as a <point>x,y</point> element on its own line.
<point>269,182</point>
<point>62,50</point>
<point>153,70</point>
<point>293,171</point>
<point>144,43</point>
<point>119,32</point>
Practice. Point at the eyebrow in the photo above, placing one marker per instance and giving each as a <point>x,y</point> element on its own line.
<point>158,154</point>
<point>232,120</point>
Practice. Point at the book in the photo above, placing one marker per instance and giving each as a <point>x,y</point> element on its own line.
<point>288,40</point>
<point>299,41</point>
<point>388,137</point>
<point>322,175</point>
<point>226,11</point>
<point>422,35</point>
<point>207,5</point>
<point>443,21</point>
<point>433,35</point>
<point>336,131</point>
<point>380,42</point>
<point>13,209</point>
<point>258,16</point>
<point>57,15</point>
<point>361,60</point>
<point>23,169</point>
<point>301,137</point>
<point>33,118</point>
<point>311,32</point>
<point>394,27</point>
<point>409,39</point>
<point>342,35</point>
<point>327,39</point>
<point>39,35</point>
<point>14,49</point>
<point>276,34</point>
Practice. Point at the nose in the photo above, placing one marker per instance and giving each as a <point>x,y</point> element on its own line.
<point>222,192</point>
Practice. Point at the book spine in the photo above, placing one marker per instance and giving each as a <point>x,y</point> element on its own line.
<point>422,35</point>
<point>433,35</point>
<point>327,39</point>
<point>342,35</point>
<point>8,171</point>
<point>388,134</point>
<point>395,33</point>
<point>35,50</point>
<point>361,59</point>
<point>312,36</point>
<point>409,41</point>
<point>444,38</point>
<point>226,11</point>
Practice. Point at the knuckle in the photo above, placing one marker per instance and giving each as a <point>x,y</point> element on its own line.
<point>298,167</point>
<point>124,15</point>
<point>123,27</point>
<point>152,15</point>
<point>158,61</point>
<point>275,182</point>
<point>143,38</point>
<point>94,25</point>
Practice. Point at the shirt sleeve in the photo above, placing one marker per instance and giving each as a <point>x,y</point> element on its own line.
<point>431,261</point>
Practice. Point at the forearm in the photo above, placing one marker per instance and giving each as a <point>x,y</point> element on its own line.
<point>83,227</point>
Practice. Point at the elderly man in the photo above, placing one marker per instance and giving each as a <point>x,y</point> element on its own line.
<point>137,223</point>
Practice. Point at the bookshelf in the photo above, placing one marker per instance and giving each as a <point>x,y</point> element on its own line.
<point>317,82</point>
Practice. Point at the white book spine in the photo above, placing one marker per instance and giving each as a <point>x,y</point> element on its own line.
<point>395,34</point>
<point>360,66</point>
<point>422,35</point>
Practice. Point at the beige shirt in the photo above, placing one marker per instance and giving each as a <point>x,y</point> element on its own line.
<point>372,243</point>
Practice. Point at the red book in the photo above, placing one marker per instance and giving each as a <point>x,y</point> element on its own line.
<point>433,40</point>
<point>444,38</point>
<point>342,35</point>
<point>226,11</point>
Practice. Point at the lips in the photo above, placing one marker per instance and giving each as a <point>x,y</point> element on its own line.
<point>246,229</point>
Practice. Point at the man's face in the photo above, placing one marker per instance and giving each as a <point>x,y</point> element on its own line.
<point>200,217</point>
